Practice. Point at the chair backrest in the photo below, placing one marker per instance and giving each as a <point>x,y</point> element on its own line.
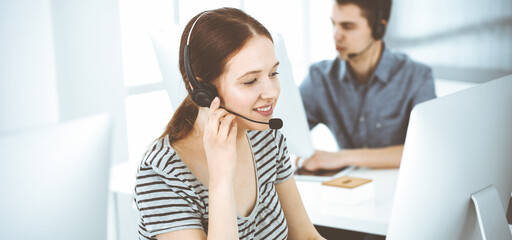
<point>166,44</point>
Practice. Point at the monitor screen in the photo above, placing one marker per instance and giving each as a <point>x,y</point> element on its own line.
<point>456,146</point>
<point>289,106</point>
<point>54,181</point>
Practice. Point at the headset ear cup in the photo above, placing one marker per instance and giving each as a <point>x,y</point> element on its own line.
<point>204,95</point>
<point>379,28</point>
<point>378,31</point>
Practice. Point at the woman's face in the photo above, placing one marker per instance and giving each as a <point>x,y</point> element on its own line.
<point>249,86</point>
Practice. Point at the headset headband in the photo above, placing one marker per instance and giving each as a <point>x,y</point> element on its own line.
<point>190,32</point>
<point>202,93</point>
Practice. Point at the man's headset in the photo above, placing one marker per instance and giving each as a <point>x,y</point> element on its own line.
<point>204,92</point>
<point>378,29</point>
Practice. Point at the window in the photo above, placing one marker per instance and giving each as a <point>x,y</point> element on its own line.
<point>146,102</point>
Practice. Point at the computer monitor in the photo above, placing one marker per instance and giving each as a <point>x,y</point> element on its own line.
<point>54,181</point>
<point>457,147</point>
<point>289,106</point>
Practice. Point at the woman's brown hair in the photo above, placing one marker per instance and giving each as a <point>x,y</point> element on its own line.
<point>218,36</point>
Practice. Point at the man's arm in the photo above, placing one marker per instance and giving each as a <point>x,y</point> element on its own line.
<point>386,157</point>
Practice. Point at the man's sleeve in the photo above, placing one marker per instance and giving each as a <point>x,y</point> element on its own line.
<point>426,89</point>
<point>307,92</point>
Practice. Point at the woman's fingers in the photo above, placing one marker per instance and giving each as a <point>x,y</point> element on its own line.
<point>214,105</point>
<point>225,126</point>
<point>215,115</point>
<point>232,130</point>
<point>219,121</point>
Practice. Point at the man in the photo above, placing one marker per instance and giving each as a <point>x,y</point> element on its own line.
<point>366,94</point>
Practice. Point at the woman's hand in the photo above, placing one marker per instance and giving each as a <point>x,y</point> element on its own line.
<point>220,143</point>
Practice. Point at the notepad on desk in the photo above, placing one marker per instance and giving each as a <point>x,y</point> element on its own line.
<point>346,182</point>
<point>348,190</point>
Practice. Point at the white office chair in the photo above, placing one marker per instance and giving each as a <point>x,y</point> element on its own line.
<point>166,44</point>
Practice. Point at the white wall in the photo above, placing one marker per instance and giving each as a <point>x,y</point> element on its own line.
<point>61,60</point>
<point>28,88</point>
<point>462,40</point>
<point>89,63</point>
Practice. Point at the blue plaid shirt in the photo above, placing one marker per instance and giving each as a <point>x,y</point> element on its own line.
<point>371,115</point>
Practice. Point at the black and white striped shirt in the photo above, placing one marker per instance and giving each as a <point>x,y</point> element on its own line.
<point>169,197</point>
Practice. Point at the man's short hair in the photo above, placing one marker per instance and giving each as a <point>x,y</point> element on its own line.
<point>370,9</point>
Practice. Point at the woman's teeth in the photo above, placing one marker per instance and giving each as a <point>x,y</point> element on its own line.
<point>264,109</point>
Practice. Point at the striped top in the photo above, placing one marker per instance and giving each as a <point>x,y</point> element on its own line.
<point>169,197</point>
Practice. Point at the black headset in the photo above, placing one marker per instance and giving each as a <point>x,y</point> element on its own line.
<point>378,28</point>
<point>203,92</point>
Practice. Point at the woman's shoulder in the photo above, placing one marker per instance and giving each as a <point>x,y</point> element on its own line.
<point>161,164</point>
<point>160,157</point>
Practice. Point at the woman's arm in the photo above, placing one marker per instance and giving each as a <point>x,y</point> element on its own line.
<point>299,225</point>
<point>220,147</point>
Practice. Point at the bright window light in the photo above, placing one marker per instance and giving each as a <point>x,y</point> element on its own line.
<point>147,116</point>
<point>138,20</point>
<point>188,9</point>
<point>289,23</point>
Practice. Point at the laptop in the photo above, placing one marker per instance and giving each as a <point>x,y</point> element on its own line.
<point>54,181</point>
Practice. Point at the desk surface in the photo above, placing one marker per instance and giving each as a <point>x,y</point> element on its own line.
<point>370,215</point>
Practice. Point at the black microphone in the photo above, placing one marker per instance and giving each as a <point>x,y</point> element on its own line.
<point>353,55</point>
<point>274,123</point>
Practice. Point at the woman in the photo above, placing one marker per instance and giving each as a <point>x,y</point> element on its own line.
<point>212,175</point>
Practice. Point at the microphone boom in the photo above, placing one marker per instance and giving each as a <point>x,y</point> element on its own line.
<point>274,123</point>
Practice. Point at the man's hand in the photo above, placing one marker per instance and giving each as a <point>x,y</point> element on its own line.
<point>385,157</point>
<point>325,160</point>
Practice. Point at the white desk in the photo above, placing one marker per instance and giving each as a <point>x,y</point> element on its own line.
<point>371,215</point>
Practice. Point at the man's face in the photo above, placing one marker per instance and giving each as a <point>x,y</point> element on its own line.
<point>351,30</point>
